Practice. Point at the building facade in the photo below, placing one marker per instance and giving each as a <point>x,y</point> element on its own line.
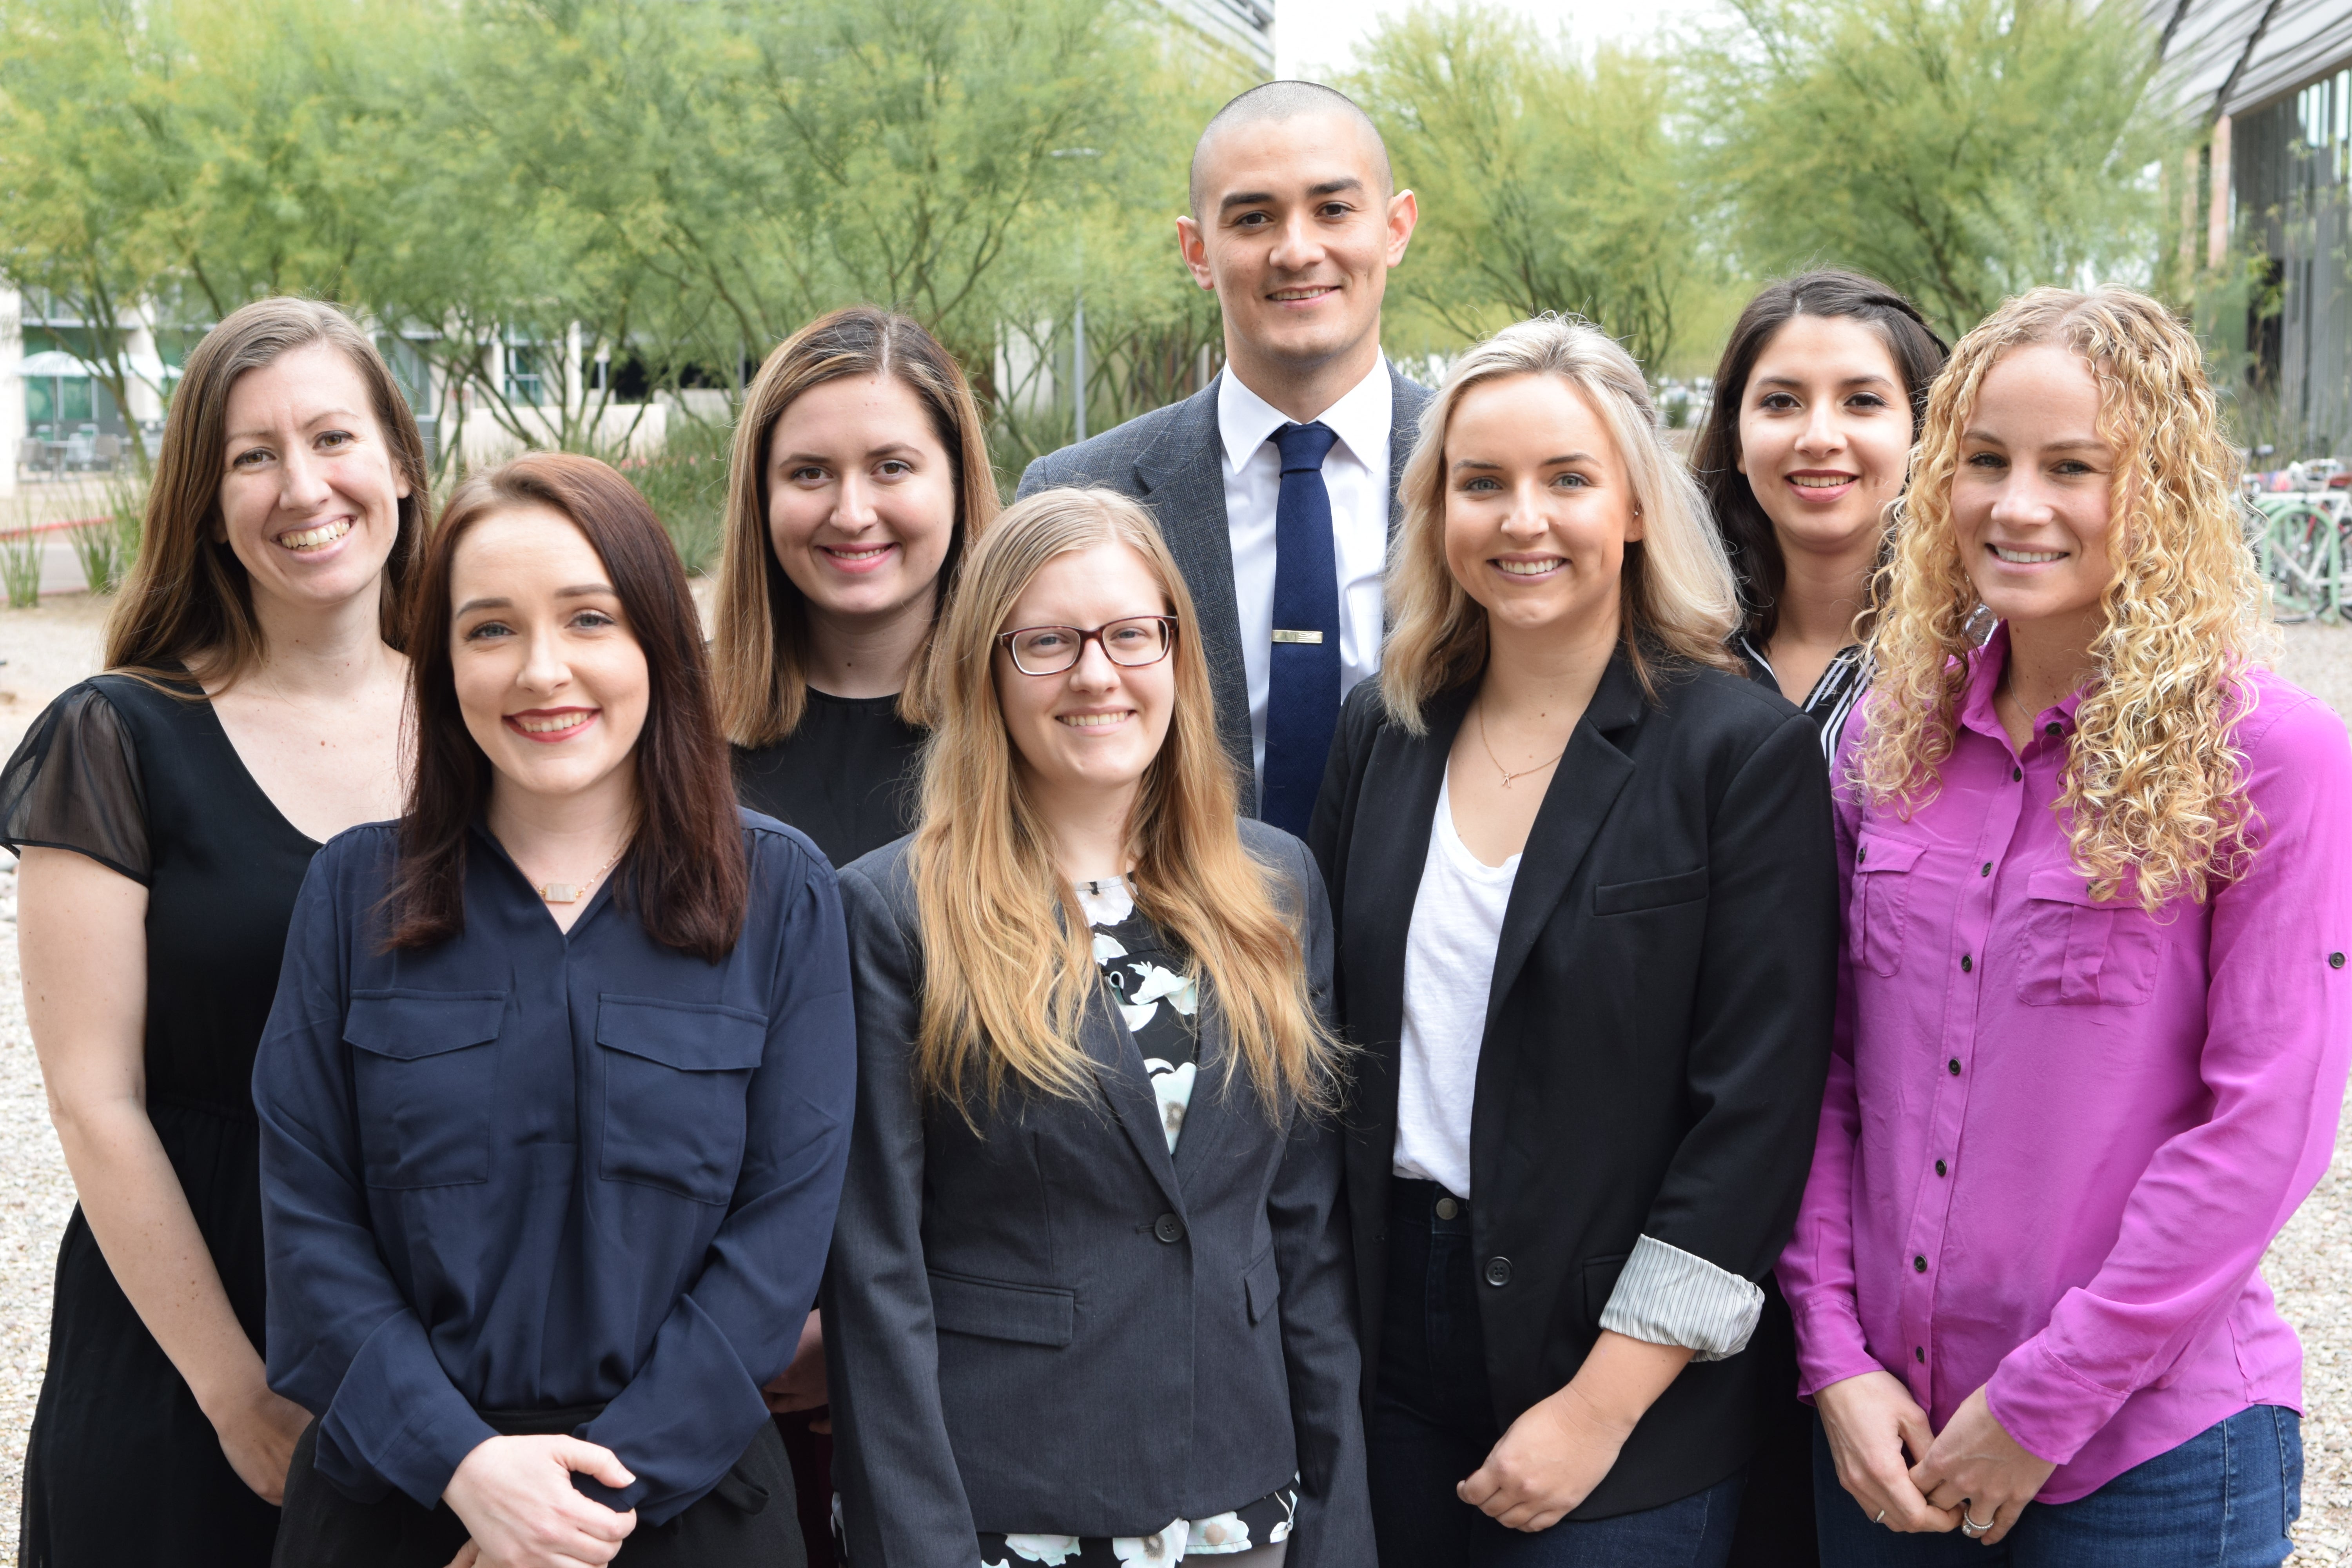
<point>1243,30</point>
<point>2274,80</point>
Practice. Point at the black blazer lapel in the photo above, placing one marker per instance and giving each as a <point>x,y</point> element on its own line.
<point>1119,1066</point>
<point>1216,1099</point>
<point>1181,478</point>
<point>1582,791</point>
<point>1389,845</point>
<point>1591,775</point>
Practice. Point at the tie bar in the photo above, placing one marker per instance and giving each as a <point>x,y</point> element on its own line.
<point>1280,635</point>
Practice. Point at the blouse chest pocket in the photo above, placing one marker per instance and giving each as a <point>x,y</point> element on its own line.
<point>2073,952</point>
<point>1878,909</point>
<point>675,1078</point>
<point>424,1075</point>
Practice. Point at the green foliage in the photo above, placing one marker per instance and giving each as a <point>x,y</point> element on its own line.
<point>524,189</point>
<point>686,484</point>
<point>21,551</point>
<point>1550,178</point>
<point>1961,150</point>
<point>106,548</point>
<point>94,549</point>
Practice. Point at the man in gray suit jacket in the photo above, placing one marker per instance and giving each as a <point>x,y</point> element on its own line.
<point>1275,485</point>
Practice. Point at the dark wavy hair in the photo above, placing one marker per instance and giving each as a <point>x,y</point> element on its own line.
<point>1918,354</point>
<point>684,870</point>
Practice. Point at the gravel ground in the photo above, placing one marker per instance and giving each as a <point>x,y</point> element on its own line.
<point>47,650</point>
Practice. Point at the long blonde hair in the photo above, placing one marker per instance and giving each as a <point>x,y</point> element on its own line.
<point>1678,596</point>
<point>760,646</point>
<point>1008,961</point>
<point>2153,790</point>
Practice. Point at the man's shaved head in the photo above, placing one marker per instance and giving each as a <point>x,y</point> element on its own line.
<point>1289,100</point>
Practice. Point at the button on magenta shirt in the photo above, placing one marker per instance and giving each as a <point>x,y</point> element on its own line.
<point>2058,1135</point>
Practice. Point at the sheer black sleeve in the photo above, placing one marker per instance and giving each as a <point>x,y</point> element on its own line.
<point>74,784</point>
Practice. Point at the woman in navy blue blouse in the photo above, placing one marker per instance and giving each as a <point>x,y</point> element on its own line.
<point>556,1095</point>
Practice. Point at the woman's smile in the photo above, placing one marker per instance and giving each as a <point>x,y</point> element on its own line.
<point>1820,486</point>
<point>312,539</point>
<point>857,559</point>
<point>550,724</point>
<point>1096,718</point>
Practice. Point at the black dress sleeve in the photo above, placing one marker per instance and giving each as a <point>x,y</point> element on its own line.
<point>74,783</point>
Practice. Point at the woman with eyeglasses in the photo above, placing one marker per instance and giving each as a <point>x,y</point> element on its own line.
<point>1088,1303</point>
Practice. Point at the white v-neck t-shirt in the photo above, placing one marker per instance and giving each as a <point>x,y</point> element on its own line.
<point>1449,967</point>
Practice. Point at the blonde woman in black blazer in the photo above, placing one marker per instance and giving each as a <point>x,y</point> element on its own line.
<point>1568,1172</point>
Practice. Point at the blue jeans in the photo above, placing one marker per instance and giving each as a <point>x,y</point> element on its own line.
<point>2223,1500</point>
<point>1433,1423</point>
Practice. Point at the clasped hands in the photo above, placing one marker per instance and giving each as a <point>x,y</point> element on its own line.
<point>1971,1471</point>
<point>516,1496</point>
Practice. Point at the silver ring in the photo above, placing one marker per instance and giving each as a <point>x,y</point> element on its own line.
<point>1881,1519</point>
<point>1970,1528</point>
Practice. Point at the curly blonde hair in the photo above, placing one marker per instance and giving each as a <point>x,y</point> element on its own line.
<point>2154,793</point>
<point>1678,601</point>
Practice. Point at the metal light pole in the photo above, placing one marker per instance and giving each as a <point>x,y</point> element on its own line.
<point>1078,309</point>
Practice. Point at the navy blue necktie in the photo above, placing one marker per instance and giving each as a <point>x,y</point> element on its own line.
<point>1302,695</point>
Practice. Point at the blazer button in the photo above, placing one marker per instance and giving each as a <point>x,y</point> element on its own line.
<point>1168,1227</point>
<point>1498,1271</point>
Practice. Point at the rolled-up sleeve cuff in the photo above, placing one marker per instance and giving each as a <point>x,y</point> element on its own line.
<point>1669,1297</point>
<point>2048,1407</point>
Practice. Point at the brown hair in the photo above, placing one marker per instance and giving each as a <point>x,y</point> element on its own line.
<point>1917,352</point>
<point>684,867</point>
<point>761,642</point>
<point>1009,964</point>
<point>1676,601</point>
<point>188,600</point>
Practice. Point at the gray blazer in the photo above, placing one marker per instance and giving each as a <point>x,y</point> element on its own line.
<point>1172,460</point>
<point>1054,1325</point>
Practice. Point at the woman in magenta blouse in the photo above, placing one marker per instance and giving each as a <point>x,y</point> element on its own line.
<point>2093,1012</point>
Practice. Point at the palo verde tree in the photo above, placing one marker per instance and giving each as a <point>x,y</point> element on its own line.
<point>1549,177</point>
<point>1961,150</point>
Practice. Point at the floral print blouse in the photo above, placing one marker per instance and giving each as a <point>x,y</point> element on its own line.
<point>1159,998</point>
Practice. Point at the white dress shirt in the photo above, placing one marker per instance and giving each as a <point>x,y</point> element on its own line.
<point>1355,473</point>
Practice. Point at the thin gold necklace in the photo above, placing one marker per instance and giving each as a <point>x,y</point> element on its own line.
<point>573,892</point>
<point>1508,775</point>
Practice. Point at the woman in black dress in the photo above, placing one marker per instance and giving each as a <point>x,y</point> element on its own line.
<point>860,474</point>
<point>167,812</point>
<point>1817,402</point>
